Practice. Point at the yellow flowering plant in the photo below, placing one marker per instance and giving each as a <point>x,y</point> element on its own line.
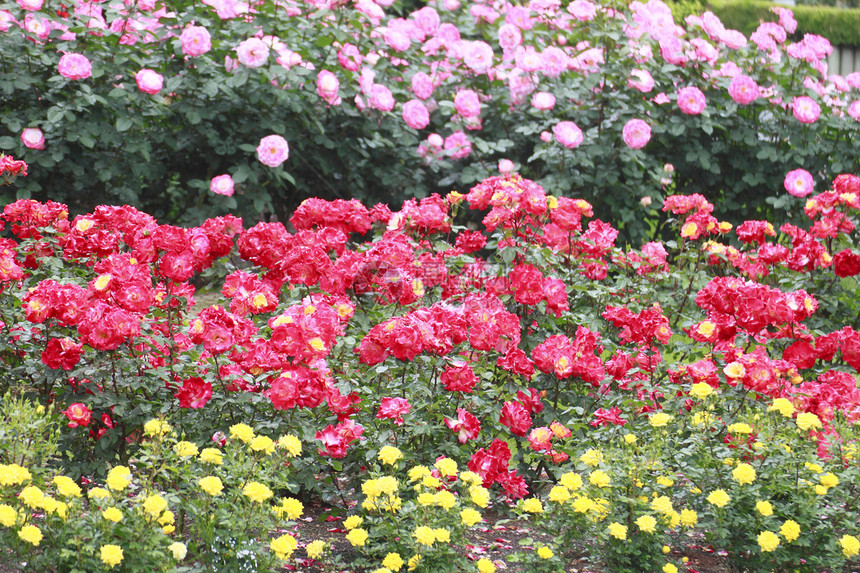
<point>417,515</point>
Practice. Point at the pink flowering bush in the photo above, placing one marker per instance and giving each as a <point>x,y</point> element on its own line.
<point>146,104</point>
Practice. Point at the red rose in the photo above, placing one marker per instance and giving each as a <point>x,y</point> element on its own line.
<point>195,393</point>
<point>78,415</point>
<point>846,263</point>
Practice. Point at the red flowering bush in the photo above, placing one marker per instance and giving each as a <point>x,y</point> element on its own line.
<point>510,351</point>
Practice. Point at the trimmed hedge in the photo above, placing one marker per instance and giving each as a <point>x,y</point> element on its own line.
<point>840,26</point>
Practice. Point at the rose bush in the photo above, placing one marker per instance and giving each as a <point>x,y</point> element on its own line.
<point>146,103</point>
<point>606,389</point>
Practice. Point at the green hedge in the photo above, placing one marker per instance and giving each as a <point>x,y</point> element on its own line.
<point>840,26</point>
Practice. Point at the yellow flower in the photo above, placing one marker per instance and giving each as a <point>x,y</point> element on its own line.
<point>813,467</point>
<point>118,479</point>
<point>393,561</point>
<point>689,518</point>
<point>782,406</point>
<point>571,481</point>
<point>485,566</point>
<point>701,390</point>
<point>167,518</point>
<point>583,504</point>
<point>418,473</point>
<point>790,530</point>
<point>98,493</point>
<point>740,428</point>
<point>470,517</point>
<point>768,541</point>
<point>426,499</point>
<point>154,505</point>
<point>446,500</point>
<point>371,489</point>
<point>425,535</point>
<point>290,508</point>
<point>559,494</point>
<point>387,484</point>
<point>630,439</point>
<point>446,466</point>
<point>669,568</point>
<point>471,478</point>
<point>32,496</point>
<point>185,449</point>
<point>13,474</point>
<point>820,490</point>
<point>808,421</point>
<point>283,546</point>
<point>532,505</point>
<point>112,514</point>
<point>599,478</point>
<point>442,535</point>
<point>389,455</point>
<point>168,529</point>
<point>764,508</point>
<point>156,428</point>
<point>30,534</point>
<point>263,444</point>
<point>315,549</point>
<point>179,550</point>
<point>592,458</point>
<point>544,552</point>
<point>734,370</point>
<point>666,550</point>
<point>665,482</point>
<point>646,523</point>
<point>850,546</point>
<point>479,495</point>
<point>242,432</point>
<point>67,487</point>
<point>211,485</point>
<point>430,481</point>
<point>290,443</point>
<point>662,504</point>
<point>8,515</point>
<point>659,420</point>
<point>618,531</point>
<point>111,555</point>
<point>357,537</point>
<point>744,474</point>
<point>413,562</point>
<point>352,522</point>
<point>719,498</point>
<point>211,456</point>
<point>256,491</point>
<point>828,480</point>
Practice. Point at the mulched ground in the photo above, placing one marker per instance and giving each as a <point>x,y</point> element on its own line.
<point>496,539</point>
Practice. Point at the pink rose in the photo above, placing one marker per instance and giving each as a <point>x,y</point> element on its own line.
<point>806,110</point>
<point>222,185</point>
<point>349,58</point>
<point>149,81</point>
<point>415,114</point>
<point>467,104</point>
<point>195,41</point>
<point>31,5</point>
<point>506,166</point>
<point>799,183</point>
<point>328,86</point>
<point>641,80</point>
<point>509,37</point>
<point>544,101</point>
<point>33,138</point>
<point>854,110</point>
<point>273,150</point>
<point>458,145</point>
<point>252,53</point>
<point>568,134</point>
<point>75,66</point>
<point>422,85</point>
<point>691,100</point>
<point>381,98</point>
<point>478,56</point>
<point>636,133</point>
<point>743,90</point>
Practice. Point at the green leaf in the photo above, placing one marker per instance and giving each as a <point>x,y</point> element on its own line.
<point>123,124</point>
